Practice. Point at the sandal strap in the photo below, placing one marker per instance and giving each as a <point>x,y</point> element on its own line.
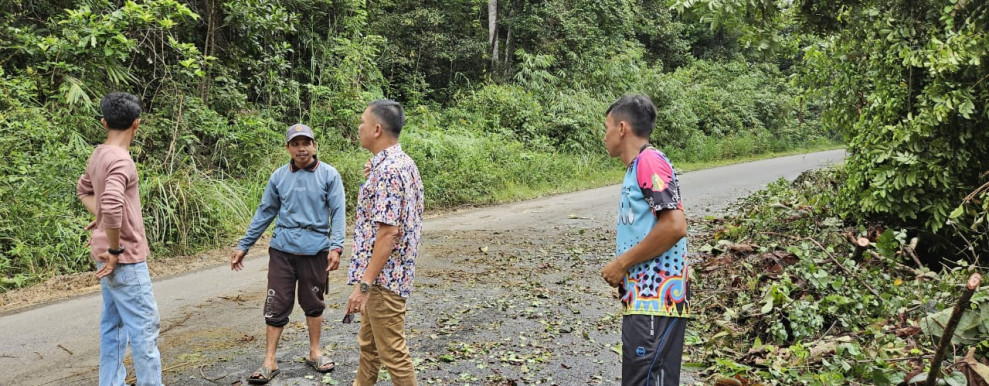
<point>263,372</point>
<point>323,360</point>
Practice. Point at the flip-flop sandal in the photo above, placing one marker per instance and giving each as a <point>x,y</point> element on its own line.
<point>262,376</point>
<point>320,364</point>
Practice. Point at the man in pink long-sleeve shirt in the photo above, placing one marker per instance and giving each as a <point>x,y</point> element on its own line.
<point>109,190</point>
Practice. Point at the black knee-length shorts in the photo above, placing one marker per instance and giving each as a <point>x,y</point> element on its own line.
<point>285,271</point>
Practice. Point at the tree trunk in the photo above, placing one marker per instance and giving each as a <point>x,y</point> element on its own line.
<point>508,44</point>
<point>493,31</point>
<point>494,56</point>
<point>208,50</point>
<point>800,113</point>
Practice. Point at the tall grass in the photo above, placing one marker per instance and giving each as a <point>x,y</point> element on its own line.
<point>187,211</point>
<point>460,168</point>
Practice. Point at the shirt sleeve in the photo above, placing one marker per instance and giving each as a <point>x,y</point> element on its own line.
<point>85,186</point>
<point>111,202</point>
<point>267,211</point>
<point>338,211</point>
<point>389,195</point>
<point>655,177</point>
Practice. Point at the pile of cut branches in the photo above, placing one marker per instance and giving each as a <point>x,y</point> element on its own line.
<point>788,293</point>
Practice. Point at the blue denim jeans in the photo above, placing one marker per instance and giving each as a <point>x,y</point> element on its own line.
<point>130,313</point>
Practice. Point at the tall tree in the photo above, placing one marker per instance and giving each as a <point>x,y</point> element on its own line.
<point>493,31</point>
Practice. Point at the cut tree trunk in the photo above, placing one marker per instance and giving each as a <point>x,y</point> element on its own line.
<point>949,330</point>
<point>861,244</point>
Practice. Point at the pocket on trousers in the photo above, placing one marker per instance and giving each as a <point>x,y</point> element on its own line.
<point>123,275</point>
<point>391,307</point>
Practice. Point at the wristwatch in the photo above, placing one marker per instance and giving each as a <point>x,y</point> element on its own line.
<point>115,252</point>
<point>365,286</point>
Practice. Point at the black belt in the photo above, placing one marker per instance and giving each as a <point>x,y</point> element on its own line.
<point>308,228</point>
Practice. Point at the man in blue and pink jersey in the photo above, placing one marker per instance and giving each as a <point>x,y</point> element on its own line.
<point>650,267</point>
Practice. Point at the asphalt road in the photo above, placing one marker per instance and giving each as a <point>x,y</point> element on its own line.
<point>57,343</point>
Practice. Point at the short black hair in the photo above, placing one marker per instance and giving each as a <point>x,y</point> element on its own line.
<point>390,114</point>
<point>637,110</point>
<point>120,109</point>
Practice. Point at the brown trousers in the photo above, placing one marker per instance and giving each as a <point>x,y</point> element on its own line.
<point>382,340</point>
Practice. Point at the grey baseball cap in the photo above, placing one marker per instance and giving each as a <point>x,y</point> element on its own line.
<point>297,130</point>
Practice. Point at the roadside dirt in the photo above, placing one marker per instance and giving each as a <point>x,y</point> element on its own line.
<point>68,286</point>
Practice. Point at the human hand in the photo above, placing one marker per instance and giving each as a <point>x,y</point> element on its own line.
<point>237,260</point>
<point>110,261</point>
<point>357,302</point>
<point>367,169</point>
<point>613,272</point>
<point>332,260</point>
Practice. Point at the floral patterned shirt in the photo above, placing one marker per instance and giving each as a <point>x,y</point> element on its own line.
<point>659,286</point>
<point>392,195</point>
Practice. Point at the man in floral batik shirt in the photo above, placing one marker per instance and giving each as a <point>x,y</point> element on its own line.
<point>387,231</point>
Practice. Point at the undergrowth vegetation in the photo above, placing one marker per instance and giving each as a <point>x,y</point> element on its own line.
<point>905,83</point>
<point>785,299</point>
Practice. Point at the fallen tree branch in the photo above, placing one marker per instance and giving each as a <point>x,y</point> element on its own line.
<point>911,250</point>
<point>949,330</point>
<point>201,372</point>
<point>176,324</point>
<point>842,266</point>
<point>845,270</point>
<point>918,357</point>
<point>66,350</point>
<point>830,256</point>
<point>133,377</point>
<point>902,266</point>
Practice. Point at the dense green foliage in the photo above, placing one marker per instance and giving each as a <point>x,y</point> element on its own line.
<point>790,303</point>
<point>492,116</point>
<point>904,81</point>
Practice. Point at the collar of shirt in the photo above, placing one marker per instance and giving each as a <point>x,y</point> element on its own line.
<point>383,155</point>
<point>310,168</point>
<point>644,147</point>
